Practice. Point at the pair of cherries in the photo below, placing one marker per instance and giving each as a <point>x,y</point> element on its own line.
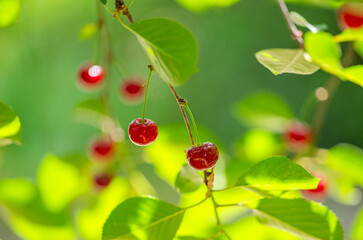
<point>92,76</point>
<point>200,158</point>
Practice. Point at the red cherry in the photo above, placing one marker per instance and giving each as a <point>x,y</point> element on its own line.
<point>103,180</point>
<point>203,157</point>
<point>132,89</point>
<point>351,15</point>
<point>298,136</point>
<point>91,75</point>
<point>320,192</point>
<point>143,134</point>
<point>102,149</point>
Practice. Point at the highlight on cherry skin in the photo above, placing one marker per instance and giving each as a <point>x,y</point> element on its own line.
<point>102,149</point>
<point>298,136</point>
<point>350,15</point>
<point>101,181</point>
<point>143,133</point>
<point>90,75</point>
<point>203,157</point>
<point>132,89</point>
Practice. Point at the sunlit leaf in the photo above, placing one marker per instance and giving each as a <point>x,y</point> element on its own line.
<point>324,51</point>
<point>59,182</point>
<point>143,218</point>
<point>258,144</point>
<point>350,35</point>
<point>265,110</point>
<point>9,12</point>
<point>354,74</point>
<point>308,220</point>
<point>91,219</point>
<point>250,228</point>
<point>357,229</point>
<point>204,5</point>
<point>87,31</point>
<point>348,160</point>
<point>171,48</point>
<point>17,192</point>
<point>358,46</point>
<point>281,60</point>
<point>277,174</point>
<point>10,127</point>
<point>188,180</point>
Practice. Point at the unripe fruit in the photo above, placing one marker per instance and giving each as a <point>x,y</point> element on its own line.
<point>350,15</point>
<point>298,136</point>
<point>143,133</point>
<point>132,89</point>
<point>102,149</point>
<point>103,180</point>
<point>91,75</point>
<point>203,157</point>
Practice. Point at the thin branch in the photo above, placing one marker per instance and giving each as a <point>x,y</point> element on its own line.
<point>219,223</point>
<point>181,102</point>
<point>295,33</point>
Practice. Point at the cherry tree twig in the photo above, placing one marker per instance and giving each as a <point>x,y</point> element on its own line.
<point>295,33</point>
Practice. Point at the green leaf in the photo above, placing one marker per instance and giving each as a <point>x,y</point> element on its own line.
<point>171,48</point>
<point>324,51</point>
<point>357,230</point>
<point>320,3</point>
<point>277,174</point>
<point>9,12</point>
<point>204,5</point>
<point>10,127</point>
<point>350,35</point>
<point>143,218</point>
<point>265,110</point>
<point>104,2</point>
<point>59,182</point>
<point>87,31</point>
<point>347,159</point>
<point>308,220</point>
<point>188,238</point>
<point>281,60</point>
<point>354,74</point>
<point>358,46</point>
<point>188,180</point>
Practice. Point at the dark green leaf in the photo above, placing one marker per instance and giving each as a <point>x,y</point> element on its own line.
<point>277,174</point>
<point>9,12</point>
<point>104,2</point>
<point>171,48</point>
<point>10,127</point>
<point>188,180</point>
<point>281,60</point>
<point>308,220</point>
<point>265,110</point>
<point>143,218</point>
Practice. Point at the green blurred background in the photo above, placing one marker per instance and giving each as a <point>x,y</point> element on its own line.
<point>40,55</point>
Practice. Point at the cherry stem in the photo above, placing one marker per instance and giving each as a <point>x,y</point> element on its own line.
<point>296,34</point>
<point>193,122</point>
<point>146,91</point>
<point>181,102</point>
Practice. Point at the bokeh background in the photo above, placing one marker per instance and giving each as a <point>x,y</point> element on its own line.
<point>40,55</point>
